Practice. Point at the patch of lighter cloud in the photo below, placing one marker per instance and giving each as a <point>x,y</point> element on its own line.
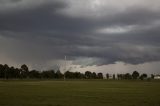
<point>94,9</point>
<point>116,29</point>
<point>122,68</point>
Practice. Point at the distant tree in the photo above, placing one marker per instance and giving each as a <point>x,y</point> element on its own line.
<point>34,74</point>
<point>68,75</point>
<point>2,71</point>
<point>59,75</point>
<point>6,71</point>
<point>152,76</point>
<point>121,76</point>
<point>135,75</point>
<point>118,76</point>
<point>45,75</point>
<point>49,74</point>
<point>83,76</point>
<point>24,67</point>
<point>143,76</point>
<point>17,73</point>
<point>53,74</point>
<point>94,75</point>
<point>73,75</point>
<point>107,76</point>
<point>100,75</point>
<point>88,74</point>
<point>114,76</point>
<point>25,71</point>
<point>77,75</point>
<point>11,73</point>
<point>127,76</point>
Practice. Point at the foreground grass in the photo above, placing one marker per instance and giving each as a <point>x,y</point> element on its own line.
<point>79,93</point>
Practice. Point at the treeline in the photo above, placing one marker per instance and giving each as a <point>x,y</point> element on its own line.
<point>23,72</point>
<point>128,76</point>
<point>7,72</point>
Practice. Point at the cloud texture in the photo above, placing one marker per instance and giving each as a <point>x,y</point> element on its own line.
<point>88,32</point>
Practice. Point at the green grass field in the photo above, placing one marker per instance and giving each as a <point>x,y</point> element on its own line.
<point>79,93</point>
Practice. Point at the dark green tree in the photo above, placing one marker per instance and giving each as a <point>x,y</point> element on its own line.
<point>152,76</point>
<point>135,75</point>
<point>88,75</point>
<point>114,76</point>
<point>24,68</point>
<point>50,74</point>
<point>25,71</point>
<point>77,75</point>
<point>6,71</point>
<point>2,71</point>
<point>59,75</point>
<point>94,75</point>
<point>69,75</point>
<point>143,76</point>
<point>34,74</point>
<point>107,76</point>
<point>100,75</point>
<point>128,76</point>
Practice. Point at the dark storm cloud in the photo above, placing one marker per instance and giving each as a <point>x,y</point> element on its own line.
<point>46,32</point>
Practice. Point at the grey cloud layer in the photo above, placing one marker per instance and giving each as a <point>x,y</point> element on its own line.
<point>49,29</point>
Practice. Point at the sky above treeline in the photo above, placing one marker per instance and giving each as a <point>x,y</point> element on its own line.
<point>110,36</point>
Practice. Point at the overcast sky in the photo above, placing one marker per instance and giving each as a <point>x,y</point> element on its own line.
<point>98,35</point>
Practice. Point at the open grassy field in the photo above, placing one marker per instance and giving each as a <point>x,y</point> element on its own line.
<point>79,93</point>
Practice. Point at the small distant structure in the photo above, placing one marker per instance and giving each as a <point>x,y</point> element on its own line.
<point>157,77</point>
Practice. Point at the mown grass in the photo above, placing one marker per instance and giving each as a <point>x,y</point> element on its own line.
<point>79,93</point>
